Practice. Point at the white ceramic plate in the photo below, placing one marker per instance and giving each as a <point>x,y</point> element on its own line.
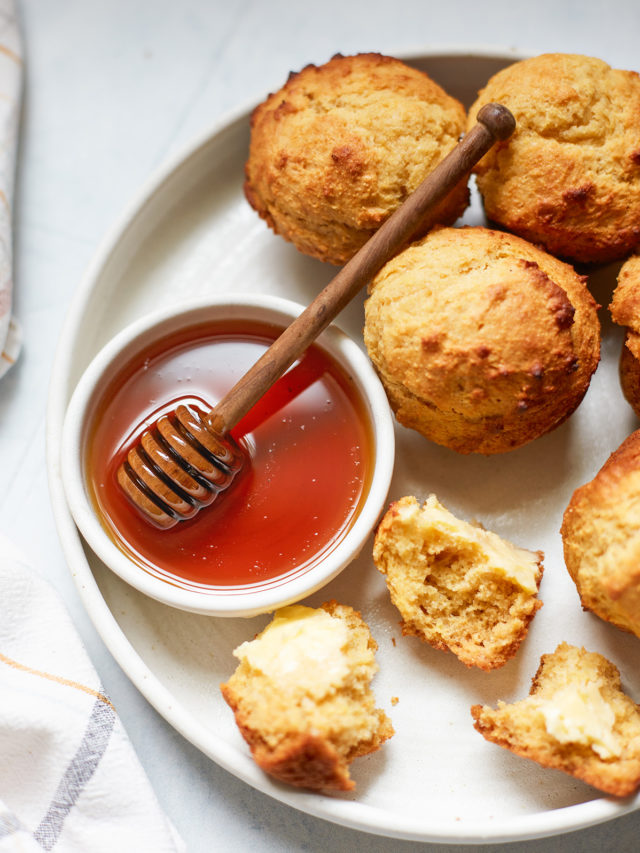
<point>191,233</point>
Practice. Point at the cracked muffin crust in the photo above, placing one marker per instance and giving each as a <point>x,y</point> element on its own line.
<point>341,145</point>
<point>601,538</point>
<point>625,311</point>
<point>569,177</point>
<point>482,341</point>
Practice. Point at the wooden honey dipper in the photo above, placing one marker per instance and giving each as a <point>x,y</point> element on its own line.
<point>188,457</point>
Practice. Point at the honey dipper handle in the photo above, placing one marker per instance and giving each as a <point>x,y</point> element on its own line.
<point>495,122</point>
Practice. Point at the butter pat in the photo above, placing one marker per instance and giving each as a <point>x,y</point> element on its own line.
<point>579,714</point>
<point>302,649</point>
<point>515,564</point>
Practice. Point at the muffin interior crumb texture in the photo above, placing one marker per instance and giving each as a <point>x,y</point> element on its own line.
<point>457,586</point>
<point>302,699</point>
<point>576,719</point>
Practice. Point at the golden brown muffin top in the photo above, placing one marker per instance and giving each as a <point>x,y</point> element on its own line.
<point>341,145</point>
<point>482,325</point>
<point>569,177</point>
<point>622,464</point>
<point>601,525</point>
<point>625,310</point>
<point>625,303</point>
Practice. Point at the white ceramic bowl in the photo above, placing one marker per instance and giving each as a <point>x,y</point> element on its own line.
<point>215,600</point>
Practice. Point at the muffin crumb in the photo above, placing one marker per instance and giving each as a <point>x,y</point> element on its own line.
<point>576,719</point>
<point>457,586</point>
<point>302,699</point>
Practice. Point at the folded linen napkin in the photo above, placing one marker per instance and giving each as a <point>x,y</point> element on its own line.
<point>10,95</point>
<point>69,778</point>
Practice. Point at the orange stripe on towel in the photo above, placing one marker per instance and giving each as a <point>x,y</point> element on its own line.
<point>75,684</point>
<point>10,53</point>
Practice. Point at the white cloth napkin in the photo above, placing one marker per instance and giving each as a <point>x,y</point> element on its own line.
<point>10,95</point>
<point>69,778</point>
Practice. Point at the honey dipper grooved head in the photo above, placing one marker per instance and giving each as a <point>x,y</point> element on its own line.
<point>178,467</point>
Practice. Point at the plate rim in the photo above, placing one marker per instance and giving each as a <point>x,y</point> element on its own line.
<point>348,813</point>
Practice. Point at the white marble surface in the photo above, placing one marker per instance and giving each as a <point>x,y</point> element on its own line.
<point>113,87</point>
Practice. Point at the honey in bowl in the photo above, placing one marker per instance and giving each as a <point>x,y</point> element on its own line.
<point>309,459</point>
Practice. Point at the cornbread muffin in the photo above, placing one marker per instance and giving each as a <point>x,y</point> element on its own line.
<point>341,145</point>
<point>569,177</point>
<point>457,586</point>
<point>576,719</point>
<point>482,341</point>
<point>601,539</point>
<point>625,310</point>
<point>301,695</point>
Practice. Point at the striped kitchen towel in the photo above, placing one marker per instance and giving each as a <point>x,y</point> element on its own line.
<point>69,778</point>
<point>10,96</point>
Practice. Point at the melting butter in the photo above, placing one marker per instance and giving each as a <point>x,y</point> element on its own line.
<point>579,714</point>
<point>515,564</point>
<point>302,649</point>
